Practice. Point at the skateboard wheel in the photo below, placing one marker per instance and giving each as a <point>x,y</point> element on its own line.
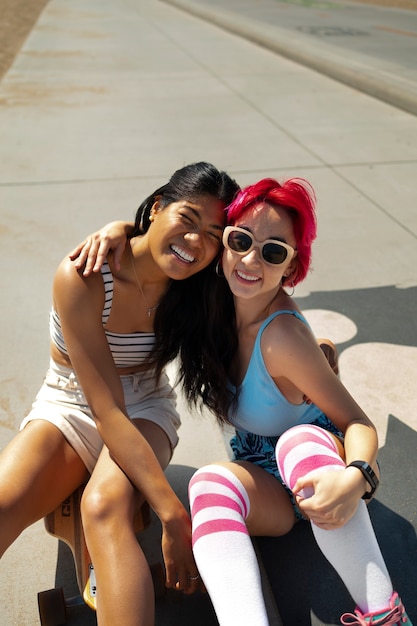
<point>52,611</point>
<point>158,578</point>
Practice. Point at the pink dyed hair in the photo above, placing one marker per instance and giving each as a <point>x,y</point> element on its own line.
<point>297,196</point>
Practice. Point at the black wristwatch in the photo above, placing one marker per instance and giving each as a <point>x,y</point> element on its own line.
<point>370,476</point>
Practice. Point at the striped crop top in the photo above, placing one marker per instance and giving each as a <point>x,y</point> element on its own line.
<point>128,350</point>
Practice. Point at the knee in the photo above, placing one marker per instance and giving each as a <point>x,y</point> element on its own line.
<point>200,485</point>
<point>300,441</point>
<point>100,505</point>
<point>208,478</point>
<point>215,486</point>
<point>305,448</point>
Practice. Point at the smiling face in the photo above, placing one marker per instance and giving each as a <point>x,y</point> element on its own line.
<point>248,274</point>
<point>185,236</point>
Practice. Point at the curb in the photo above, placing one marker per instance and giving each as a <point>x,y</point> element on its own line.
<point>321,57</point>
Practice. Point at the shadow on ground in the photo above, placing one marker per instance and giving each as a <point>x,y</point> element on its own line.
<point>381,314</point>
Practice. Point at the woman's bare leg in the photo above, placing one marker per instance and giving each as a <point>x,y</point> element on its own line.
<point>38,470</point>
<point>125,592</point>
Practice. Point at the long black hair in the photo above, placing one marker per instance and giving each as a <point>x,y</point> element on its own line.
<point>197,324</point>
<point>190,308</point>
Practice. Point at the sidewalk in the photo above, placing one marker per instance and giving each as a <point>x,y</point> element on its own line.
<point>369,47</point>
<point>105,100</point>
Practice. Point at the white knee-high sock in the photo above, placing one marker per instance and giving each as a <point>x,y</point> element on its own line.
<point>352,549</point>
<point>223,549</point>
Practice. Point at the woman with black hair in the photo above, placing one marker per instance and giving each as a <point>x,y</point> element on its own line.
<point>106,411</point>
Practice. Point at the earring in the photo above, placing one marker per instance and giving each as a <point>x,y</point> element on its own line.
<point>218,269</point>
<point>284,283</point>
<point>292,286</point>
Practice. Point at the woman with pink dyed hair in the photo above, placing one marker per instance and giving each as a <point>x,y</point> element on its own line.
<point>253,361</point>
<point>293,458</point>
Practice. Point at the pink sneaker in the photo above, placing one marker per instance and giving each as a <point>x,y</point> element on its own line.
<point>395,615</point>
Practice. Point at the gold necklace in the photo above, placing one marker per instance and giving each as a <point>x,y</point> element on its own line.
<point>150,309</point>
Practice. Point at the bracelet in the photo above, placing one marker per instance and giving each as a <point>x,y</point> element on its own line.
<point>369,475</point>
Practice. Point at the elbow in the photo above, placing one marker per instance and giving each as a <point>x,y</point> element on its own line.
<point>104,416</point>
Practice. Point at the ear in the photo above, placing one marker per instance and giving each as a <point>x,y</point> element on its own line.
<point>289,275</point>
<point>156,207</point>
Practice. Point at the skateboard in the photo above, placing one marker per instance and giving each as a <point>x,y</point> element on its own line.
<point>65,524</point>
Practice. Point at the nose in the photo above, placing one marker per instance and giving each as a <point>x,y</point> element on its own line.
<point>254,256</point>
<point>193,239</point>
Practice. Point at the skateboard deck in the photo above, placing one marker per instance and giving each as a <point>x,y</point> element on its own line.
<point>65,524</point>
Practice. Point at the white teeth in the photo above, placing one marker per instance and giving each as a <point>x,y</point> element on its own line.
<point>182,254</point>
<point>246,277</point>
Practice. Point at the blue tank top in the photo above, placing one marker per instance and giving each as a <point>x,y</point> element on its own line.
<point>262,409</point>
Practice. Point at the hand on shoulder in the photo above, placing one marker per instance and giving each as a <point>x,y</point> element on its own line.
<point>90,254</point>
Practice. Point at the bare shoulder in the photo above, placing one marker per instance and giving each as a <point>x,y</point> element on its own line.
<point>287,328</point>
<point>287,341</point>
<point>67,272</point>
<point>70,285</point>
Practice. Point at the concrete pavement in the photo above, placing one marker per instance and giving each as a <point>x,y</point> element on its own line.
<point>103,102</point>
<point>369,47</point>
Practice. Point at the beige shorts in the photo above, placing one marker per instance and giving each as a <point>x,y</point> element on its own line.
<point>61,401</point>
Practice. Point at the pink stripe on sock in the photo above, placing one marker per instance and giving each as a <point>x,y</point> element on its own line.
<point>207,500</point>
<point>302,438</point>
<point>217,526</point>
<point>217,478</point>
<point>305,466</point>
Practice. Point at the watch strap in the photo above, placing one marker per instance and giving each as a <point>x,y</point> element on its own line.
<point>369,475</point>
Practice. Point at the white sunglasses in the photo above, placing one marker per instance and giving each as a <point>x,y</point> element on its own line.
<point>242,241</point>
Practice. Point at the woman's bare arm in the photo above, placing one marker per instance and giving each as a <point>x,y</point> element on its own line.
<point>302,365</point>
<point>79,303</point>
